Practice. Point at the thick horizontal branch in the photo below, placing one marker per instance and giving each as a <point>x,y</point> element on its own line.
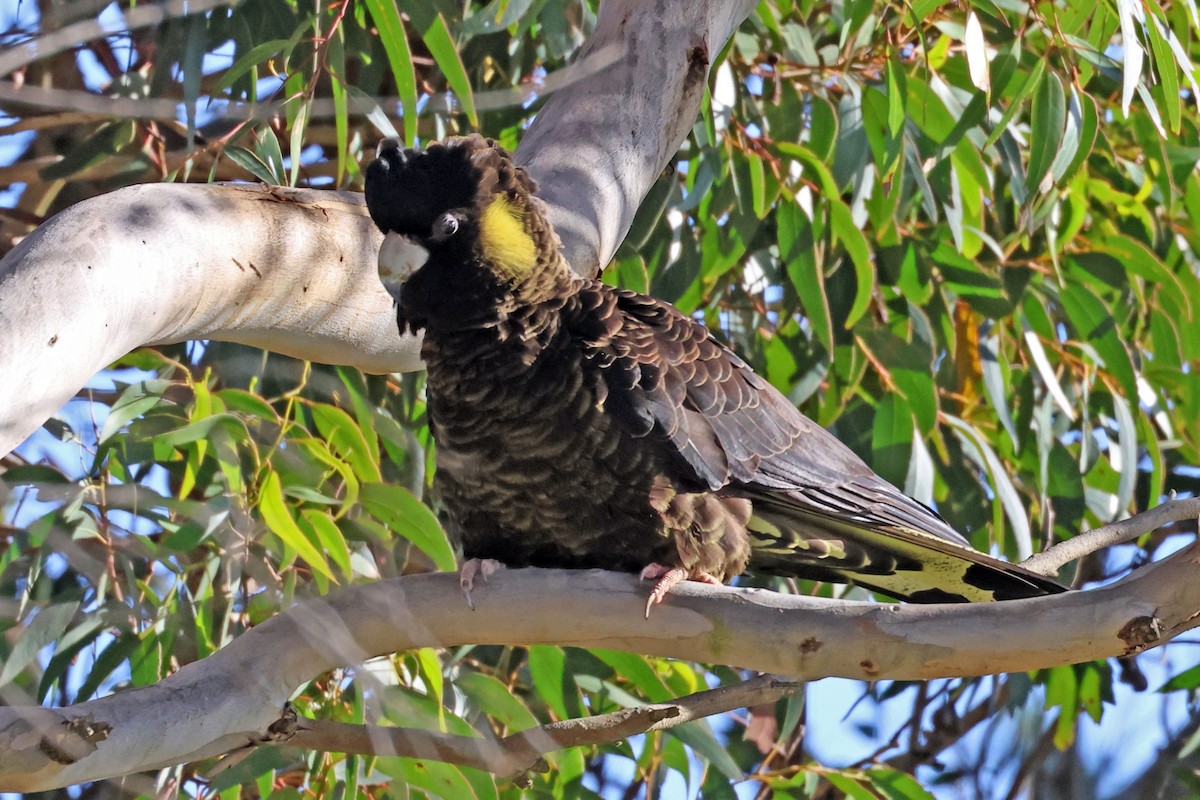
<point>289,270</point>
<point>522,752</point>
<point>230,699</point>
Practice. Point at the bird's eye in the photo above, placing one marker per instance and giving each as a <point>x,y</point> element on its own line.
<point>446,227</point>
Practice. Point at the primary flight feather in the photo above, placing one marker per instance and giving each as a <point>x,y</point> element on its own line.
<point>580,425</point>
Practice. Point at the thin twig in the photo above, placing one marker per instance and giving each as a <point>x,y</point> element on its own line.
<point>1174,509</point>
<point>522,752</point>
<point>1039,753</point>
<point>49,43</point>
<point>948,730</point>
<point>103,106</point>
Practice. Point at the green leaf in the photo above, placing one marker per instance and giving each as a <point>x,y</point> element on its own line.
<point>1032,80</point>
<point>978,449</point>
<point>1091,690</point>
<point>498,15</point>
<point>842,224</point>
<point>408,517</point>
<point>387,19</point>
<point>1072,138</point>
<point>998,391</point>
<point>247,403</point>
<point>112,656</point>
<point>441,47</point>
<point>66,651</point>
<point>260,761</point>
<point>798,252</point>
<point>910,366</point>
<point>494,699</point>
<point>1188,679</point>
<point>897,785</point>
<point>47,626</point>
<point>252,163</point>
<point>1062,690</point>
<point>191,68</point>
<point>266,147</point>
<point>1137,258</point>
<point>201,428</point>
<point>1095,325</point>
<point>299,125</point>
<point>1127,446</point>
<point>347,440</point>
<point>441,780</point>
<point>851,787</point>
<point>341,109</point>
<point>552,682</point>
<point>1045,130</point>
<point>431,674</point>
<point>892,438</point>
<point>110,138</point>
<point>332,540</point>
<point>135,400</point>
<point>699,736</point>
<point>246,62</point>
<point>279,519</point>
<point>637,670</point>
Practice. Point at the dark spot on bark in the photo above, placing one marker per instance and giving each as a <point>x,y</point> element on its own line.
<point>1140,633</point>
<point>868,667</point>
<point>54,340</point>
<point>285,727</point>
<point>242,267</point>
<point>141,216</point>
<point>76,739</point>
<point>810,645</point>
<point>697,68</point>
<point>305,288</point>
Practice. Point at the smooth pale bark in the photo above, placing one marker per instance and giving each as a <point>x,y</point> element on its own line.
<point>289,270</point>
<point>598,148</point>
<point>230,698</point>
<point>293,271</point>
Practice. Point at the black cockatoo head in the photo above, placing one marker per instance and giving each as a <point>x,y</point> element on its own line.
<point>465,240</point>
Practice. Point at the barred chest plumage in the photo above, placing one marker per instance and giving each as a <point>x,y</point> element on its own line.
<point>530,471</point>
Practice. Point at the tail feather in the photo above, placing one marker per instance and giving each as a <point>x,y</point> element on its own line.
<point>904,562</point>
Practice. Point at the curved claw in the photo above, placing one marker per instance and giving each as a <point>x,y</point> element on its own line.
<point>667,577</point>
<point>485,567</point>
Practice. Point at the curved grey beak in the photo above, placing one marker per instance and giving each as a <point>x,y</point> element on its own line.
<point>399,258</point>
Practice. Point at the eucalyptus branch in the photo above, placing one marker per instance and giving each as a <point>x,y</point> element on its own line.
<point>100,106</point>
<point>520,753</point>
<point>294,271</point>
<point>1051,559</point>
<point>948,730</point>
<point>231,699</point>
<point>69,36</point>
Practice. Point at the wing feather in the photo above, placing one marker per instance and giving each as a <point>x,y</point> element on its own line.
<point>820,511</point>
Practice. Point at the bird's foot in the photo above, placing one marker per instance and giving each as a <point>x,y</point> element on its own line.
<point>667,577</point>
<point>472,568</point>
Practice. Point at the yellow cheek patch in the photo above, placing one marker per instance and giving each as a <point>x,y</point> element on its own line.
<point>505,241</point>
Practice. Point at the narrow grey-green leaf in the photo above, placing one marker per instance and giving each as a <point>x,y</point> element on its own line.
<point>47,626</point>
<point>1045,130</point>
